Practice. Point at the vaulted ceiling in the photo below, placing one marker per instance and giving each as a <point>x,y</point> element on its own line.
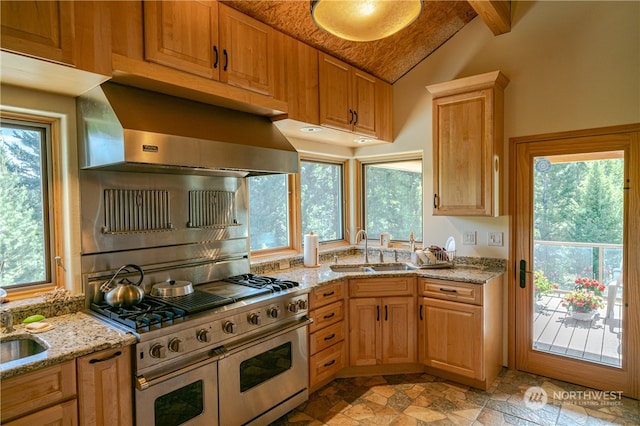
<point>389,58</point>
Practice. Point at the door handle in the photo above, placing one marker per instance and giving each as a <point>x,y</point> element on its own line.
<point>386,313</point>
<point>226,59</point>
<point>215,53</point>
<point>350,116</point>
<point>523,273</point>
<point>377,312</point>
<point>421,312</point>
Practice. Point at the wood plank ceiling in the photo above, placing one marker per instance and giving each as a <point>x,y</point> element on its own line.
<point>389,58</point>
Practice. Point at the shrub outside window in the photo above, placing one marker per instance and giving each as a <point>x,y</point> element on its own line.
<point>392,199</point>
<point>25,231</point>
<point>321,197</point>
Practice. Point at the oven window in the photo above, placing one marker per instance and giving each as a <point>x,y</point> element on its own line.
<point>261,368</point>
<point>180,405</point>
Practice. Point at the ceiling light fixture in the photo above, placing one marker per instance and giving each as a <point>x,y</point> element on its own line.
<point>364,20</point>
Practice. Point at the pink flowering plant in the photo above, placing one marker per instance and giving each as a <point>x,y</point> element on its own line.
<point>585,297</point>
<point>589,284</point>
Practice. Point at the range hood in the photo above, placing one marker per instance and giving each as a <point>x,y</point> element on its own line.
<point>122,128</point>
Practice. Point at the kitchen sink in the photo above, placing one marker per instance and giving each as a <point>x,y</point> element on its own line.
<point>392,267</point>
<point>372,268</point>
<point>351,268</point>
<point>18,347</point>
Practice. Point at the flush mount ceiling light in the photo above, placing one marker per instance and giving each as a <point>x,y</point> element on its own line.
<point>364,20</point>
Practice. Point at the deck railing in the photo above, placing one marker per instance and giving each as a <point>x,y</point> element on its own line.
<point>608,255</point>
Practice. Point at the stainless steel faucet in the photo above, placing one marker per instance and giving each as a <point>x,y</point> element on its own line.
<point>6,319</point>
<point>366,244</point>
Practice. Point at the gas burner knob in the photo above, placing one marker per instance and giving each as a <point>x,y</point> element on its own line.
<point>229,327</point>
<point>302,304</point>
<point>158,351</point>
<point>203,336</point>
<point>273,312</point>
<point>292,307</point>
<point>254,318</point>
<point>175,345</point>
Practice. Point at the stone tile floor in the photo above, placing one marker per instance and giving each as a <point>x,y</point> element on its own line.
<point>421,399</point>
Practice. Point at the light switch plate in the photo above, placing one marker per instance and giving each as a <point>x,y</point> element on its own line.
<point>469,238</point>
<point>495,238</point>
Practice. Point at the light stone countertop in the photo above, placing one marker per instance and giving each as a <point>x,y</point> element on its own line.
<point>72,336</point>
<point>474,273</point>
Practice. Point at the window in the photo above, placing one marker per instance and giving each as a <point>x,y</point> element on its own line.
<point>322,200</point>
<point>392,198</point>
<point>269,212</point>
<point>26,236</point>
<point>283,208</point>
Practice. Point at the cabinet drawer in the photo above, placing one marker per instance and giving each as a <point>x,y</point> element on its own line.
<point>382,287</point>
<point>449,290</point>
<point>42,388</point>
<point>65,414</point>
<point>327,363</point>
<point>326,294</point>
<point>326,315</point>
<point>326,337</point>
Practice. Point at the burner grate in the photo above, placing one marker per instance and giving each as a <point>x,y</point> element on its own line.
<point>197,301</point>
<point>260,281</point>
<point>144,316</point>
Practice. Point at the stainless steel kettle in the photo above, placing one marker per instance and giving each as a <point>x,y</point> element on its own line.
<point>124,293</point>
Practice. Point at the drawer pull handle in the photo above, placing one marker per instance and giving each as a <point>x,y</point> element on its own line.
<point>329,364</point>
<point>329,337</point>
<point>449,290</point>
<point>107,358</point>
<point>386,313</point>
<point>331,315</point>
<point>331,293</point>
<point>421,313</point>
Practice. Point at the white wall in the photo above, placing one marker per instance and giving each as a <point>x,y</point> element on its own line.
<point>572,65</point>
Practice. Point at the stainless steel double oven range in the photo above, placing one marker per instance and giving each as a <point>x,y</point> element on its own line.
<point>233,350</point>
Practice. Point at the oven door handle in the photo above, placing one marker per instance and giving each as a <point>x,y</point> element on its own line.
<point>240,345</point>
<point>214,355</point>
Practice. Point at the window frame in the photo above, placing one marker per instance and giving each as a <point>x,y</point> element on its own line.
<point>53,219</point>
<point>360,189</point>
<point>344,164</point>
<point>295,215</point>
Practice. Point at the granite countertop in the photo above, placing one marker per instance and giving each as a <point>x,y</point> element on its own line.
<point>474,273</point>
<point>72,336</point>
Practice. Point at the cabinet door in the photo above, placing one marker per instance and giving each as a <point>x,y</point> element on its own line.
<point>364,103</point>
<point>463,183</point>
<point>247,52</point>
<point>335,93</point>
<point>64,414</point>
<point>105,388</point>
<point>44,29</point>
<point>398,330</point>
<point>183,35</point>
<point>453,337</point>
<point>364,334</point>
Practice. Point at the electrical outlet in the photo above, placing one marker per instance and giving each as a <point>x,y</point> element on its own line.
<point>495,238</point>
<point>469,238</point>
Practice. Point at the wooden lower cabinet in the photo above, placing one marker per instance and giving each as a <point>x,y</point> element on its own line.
<point>382,321</point>
<point>63,414</point>
<point>105,388</point>
<point>327,334</point>
<point>41,397</point>
<point>460,330</point>
<point>95,389</point>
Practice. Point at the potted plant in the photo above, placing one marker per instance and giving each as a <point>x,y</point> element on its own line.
<point>585,300</point>
<point>541,285</point>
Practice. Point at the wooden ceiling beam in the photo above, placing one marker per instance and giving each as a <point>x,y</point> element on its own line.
<point>496,14</point>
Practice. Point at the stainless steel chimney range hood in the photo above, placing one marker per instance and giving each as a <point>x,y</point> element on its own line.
<point>123,128</point>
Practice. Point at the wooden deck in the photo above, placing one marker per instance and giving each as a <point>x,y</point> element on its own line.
<point>598,340</point>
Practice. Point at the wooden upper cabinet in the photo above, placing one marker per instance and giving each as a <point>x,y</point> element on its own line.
<point>468,145</point>
<point>43,29</point>
<point>247,51</point>
<point>211,40</point>
<point>353,100</point>
<point>183,35</point>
